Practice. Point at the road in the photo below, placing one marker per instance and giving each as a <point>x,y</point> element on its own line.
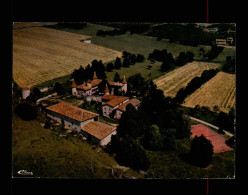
<point>208,124</point>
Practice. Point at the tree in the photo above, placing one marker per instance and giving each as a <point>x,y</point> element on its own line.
<point>117,63</point>
<point>152,139</point>
<point>126,63</point>
<point>140,58</point>
<point>201,151</point>
<point>26,111</point>
<point>169,139</point>
<point>58,88</point>
<point>110,67</point>
<point>202,53</point>
<point>117,77</point>
<point>132,154</point>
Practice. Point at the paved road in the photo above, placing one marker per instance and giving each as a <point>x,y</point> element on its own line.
<point>208,124</point>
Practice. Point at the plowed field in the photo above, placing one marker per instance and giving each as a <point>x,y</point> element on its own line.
<point>41,54</point>
<point>173,81</point>
<point>219,91</point>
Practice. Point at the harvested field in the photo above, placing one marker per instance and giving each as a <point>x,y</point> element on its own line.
<point>217,140</point>
<point>17,25</point>
<point>41,54</point>
<point>219,91</point>
<point>173,81</point>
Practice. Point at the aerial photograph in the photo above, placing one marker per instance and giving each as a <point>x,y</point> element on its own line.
<point>123,100</point>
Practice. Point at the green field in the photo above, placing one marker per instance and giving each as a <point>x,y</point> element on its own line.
<point>139,44</point>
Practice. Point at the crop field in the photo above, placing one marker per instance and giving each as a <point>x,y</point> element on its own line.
<point>173,81</point>
<point>219,91</point>
<point>42,54</point>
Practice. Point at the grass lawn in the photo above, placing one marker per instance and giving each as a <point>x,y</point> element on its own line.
<point>170,165</point>
<point>40,151</point>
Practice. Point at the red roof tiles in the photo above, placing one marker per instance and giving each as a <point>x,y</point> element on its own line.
<point>116,101</point>
<point>123,106</point>
<point>73,112</point>
<point>98,129</point>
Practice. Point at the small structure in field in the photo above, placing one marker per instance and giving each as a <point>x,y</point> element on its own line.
<point>25,92</point>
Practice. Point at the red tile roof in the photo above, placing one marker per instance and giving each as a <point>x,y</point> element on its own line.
<point>89,84</point>
<point>73,112</point>
<point>108,97</point>
<point>116,100</point>
<point>123,107</point>
<point>98,129</point>
<point>106,89</point>
<point>115,83</point>
<point>220,39</point>
<point>73,85</point>
<point>124,80</point>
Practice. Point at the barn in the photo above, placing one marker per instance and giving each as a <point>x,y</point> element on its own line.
<point>82,121</point>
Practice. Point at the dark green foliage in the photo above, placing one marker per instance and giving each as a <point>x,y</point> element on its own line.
<point>34,95</point>
<point>117,64</point>
<point>229,65</point>
<point>231,142</point>
<point>117,77</point>
<point>132,154</point>
<point>140,58</point>
<point>201,151</point>
<point>152,138</point>
<point>110,67</point>
<point>126,63</point>
<point>183,34</point>
<point>226,121</point>
<point>194,84</point>
<point>26,111</point>
<point>58,88</point>
<point>214,52</point>
<point>169,139</point>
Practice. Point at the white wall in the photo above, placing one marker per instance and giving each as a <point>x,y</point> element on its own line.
<point>107,139</point>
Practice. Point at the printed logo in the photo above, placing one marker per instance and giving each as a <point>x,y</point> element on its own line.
<point>24,172</point>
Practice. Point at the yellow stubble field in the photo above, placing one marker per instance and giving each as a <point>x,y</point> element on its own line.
<point>173,81</point>
<point>219,91</point>
<point>41,54</point>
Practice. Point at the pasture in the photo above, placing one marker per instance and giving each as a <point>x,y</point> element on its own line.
<point>42,54</point>
<point>219,91</point>
<point>173,81</point>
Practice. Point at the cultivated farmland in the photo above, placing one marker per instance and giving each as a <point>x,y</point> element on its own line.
<point>173,81</point>
<point>219,91</point>
<point>41,54</point>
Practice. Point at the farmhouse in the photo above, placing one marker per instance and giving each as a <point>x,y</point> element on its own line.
<point>220,41</point>
<point>229,40</point>
<point>116,105</point>
<point>82,121</point>
<point>90,87</point>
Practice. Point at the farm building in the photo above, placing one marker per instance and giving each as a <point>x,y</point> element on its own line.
<point>82,121</point>
<point>229,40</point>
<point>86,40</point>
<point>25,92</point>
<point>117,104</point>
<point>91,86</point>
<point>220,41</point>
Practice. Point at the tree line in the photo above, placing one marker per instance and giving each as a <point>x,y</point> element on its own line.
<point>194,84</point>
<point>168,62</point>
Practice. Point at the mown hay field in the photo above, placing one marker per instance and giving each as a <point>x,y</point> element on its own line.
<point>41,54</point>
<point>173,81</point>
<point>219,91</point>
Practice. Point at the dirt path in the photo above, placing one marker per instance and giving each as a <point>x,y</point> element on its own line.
<point>210,125</point>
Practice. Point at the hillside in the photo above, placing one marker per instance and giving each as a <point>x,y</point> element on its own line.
<point>40,151</point>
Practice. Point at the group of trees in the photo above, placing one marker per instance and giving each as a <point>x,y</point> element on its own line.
<point>83,74</point>
<point>194,84</point>
<point>155,126</point>
<point>168,62</point>
<point>226,120</point>
<point>183,34</point>
<point>229,65</point>
<point>129,59</point>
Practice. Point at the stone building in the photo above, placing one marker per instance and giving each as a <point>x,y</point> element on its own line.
<point>82,121</point>
<point>90,87</point>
